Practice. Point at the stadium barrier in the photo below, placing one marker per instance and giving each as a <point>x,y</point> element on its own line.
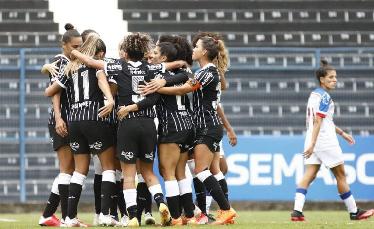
<point>260,168</point>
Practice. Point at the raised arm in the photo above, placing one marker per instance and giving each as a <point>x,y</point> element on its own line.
<point>88,61</point>
<point>52,89</point>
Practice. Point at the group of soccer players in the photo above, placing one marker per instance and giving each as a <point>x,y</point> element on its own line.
<point>107,108</point>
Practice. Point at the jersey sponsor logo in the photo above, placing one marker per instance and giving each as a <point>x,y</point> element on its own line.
<point>96,145</point>
<point>149,155</point>
<point>74,146</point>
<point>128,155</point>
<point>114,67</point>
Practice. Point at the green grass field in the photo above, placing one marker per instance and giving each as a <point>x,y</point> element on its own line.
<point>246,219</point>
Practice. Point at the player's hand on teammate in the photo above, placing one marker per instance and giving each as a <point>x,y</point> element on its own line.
<point>61,128</point>
<point>106,109</point>
<point>152,86</point>
<point>349,138</point>
<point>52,69</point>
<point>233,140</point>
<point>308,152</point>
<point>123,111</point>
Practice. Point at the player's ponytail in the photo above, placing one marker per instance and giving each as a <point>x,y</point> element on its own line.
<point>222,59</point>
<point>323,70</point>
<point>70,33</point>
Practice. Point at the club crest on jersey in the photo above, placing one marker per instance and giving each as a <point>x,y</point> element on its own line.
<point>135,82</point>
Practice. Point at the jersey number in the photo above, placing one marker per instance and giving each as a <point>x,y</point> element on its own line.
<point>84,84</point>
<point>181,105</point>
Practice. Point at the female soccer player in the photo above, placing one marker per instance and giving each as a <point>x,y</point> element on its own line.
<point>322,146</point>
<point>136,130</point>
<point>58,131</point>
<point>206,91</point>
<point>175,129</point>
<point>89,129</point>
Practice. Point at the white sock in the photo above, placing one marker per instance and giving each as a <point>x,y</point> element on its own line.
<point>299,199</point>
<point>349,202</point>
<point>208,200</point>
<point>109,175</point>
<point>154,189</point>
<point>130,197</point>
<point>171,188</point>
<point>78,178</point>
<point>64,178</point>
<point>185,186</point>
<point>55,186</point>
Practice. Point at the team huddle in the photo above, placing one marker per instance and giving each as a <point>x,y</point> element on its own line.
<point>107,108</point>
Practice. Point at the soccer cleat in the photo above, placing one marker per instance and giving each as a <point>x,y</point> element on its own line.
<point>132,223</point>
<point>149,219</point>
<point>124,220</point>
<point>107,220</point>
<point>164,215</point>
<point>297,216</point>
<point>211,218</point>
<point>202,219</point>
<point>224,217</point>
<point>51,221</point>
<point>189,221</point>
<point>176,222</point>
<point>361,214</point>
<point>75,222</point>
<point>95,221</point>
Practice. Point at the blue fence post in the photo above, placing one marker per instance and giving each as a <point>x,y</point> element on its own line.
<point>22,147</point>
<point>318,58</point>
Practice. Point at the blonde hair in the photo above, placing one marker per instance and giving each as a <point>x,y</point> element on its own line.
<point>222,59</point>
<point>89,48</point>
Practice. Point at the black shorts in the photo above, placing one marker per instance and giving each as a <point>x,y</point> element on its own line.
<point>184,139</point>
<point>136,138</point>
<point>56,140</point>
<point>90,136</point>
<point>210,136</point>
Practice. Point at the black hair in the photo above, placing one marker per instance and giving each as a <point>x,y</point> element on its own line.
<point>70,33</point>
<point>136,45</point>
<point>169,50</point>
<point>100,46</point>
<point>185,49</point>
<point>323,70</point>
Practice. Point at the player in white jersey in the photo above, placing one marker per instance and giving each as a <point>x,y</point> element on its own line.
<point>322,146</point>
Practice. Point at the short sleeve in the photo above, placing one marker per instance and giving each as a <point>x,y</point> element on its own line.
<point>204,78</point>
<point>323,105</point>
<point>62,80</point>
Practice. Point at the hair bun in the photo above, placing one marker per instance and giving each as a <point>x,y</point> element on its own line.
<point>68,26</point>
<point>324,63</point>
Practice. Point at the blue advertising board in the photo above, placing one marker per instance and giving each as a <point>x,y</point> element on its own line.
<point>269,167</point>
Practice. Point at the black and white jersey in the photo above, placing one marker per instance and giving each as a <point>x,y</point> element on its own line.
<point>128,76</point>
<point>112,118</point>
<point>61,63</point>
<point>173,111</point>
<point>84,95</point>
<point>207,97</point>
